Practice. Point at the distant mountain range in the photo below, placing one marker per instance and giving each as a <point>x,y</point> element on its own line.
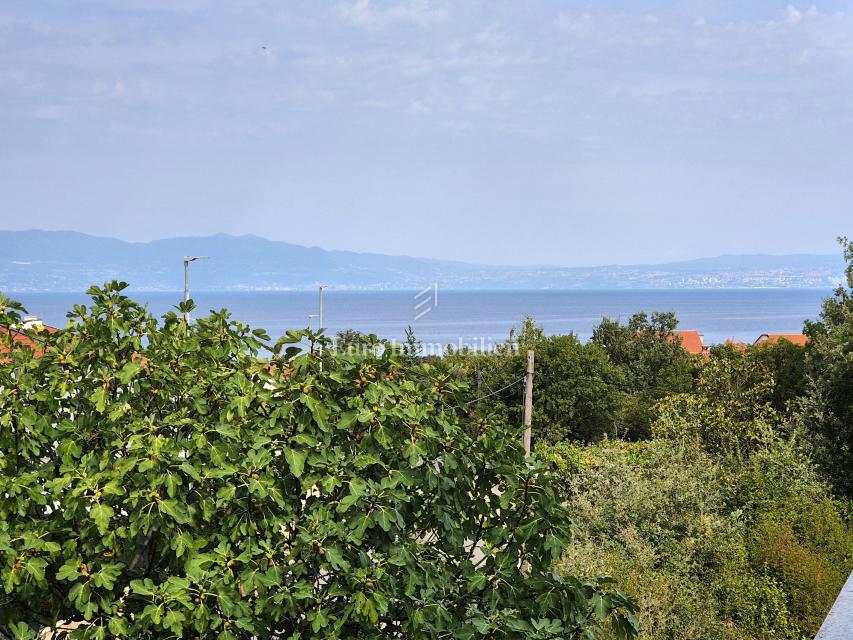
<point>39,261</point>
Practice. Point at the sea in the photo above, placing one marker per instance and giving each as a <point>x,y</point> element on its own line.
<point>481,319</point>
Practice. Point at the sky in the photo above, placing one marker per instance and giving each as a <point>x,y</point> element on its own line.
<point>565,133</point>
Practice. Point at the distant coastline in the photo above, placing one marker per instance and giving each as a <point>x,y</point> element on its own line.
<point>66,261</point>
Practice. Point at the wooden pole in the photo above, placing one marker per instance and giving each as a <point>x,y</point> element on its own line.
<point>528,402</point>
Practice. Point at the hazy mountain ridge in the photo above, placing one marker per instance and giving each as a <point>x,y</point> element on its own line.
<point>71,261</point>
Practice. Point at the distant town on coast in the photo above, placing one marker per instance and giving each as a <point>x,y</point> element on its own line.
<point>66,261</point>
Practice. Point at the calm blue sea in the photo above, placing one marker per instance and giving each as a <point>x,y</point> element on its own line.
<point>485,317</point>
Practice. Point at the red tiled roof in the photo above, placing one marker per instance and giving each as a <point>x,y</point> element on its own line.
<point>692,342</point>
<point>773,338</point>
<point>34,344</point>
<point>22,338</point>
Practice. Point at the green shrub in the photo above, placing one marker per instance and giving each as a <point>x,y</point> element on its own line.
<point>808,577</point>
<point>776,473</point>
<point>565,459</point>
<point>751,601</point>
<point>730,412</point>
<point>665,494</point>
<point>670,604</point>
<point>828,408</point>
<point>161,480</point>
<point>649,514</point>
<point>709,544</point>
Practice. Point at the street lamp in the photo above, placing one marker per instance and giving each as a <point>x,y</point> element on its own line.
<point>187,260</point>
<point>322,286</point>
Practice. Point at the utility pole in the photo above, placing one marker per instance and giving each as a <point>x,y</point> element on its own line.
<point>187,260</point>
<point>528,402</point>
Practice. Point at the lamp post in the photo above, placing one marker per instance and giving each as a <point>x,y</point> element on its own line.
<point>187,260</point>
<point>322,286</point>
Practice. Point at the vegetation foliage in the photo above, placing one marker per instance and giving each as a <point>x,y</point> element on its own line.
<point>828,408</point>
<point>728,516</point>
<point>173,479</point>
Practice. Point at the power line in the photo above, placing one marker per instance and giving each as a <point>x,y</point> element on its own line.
<point>494,393</point>
<point>489,395</point>
<point>470,402</point>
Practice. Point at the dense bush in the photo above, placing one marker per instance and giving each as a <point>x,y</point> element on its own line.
<point>730,411</point>
<point>720,526</point>
<point>809,573</point>
<point>828,409</point>
<point>796,532</point>
<point>792,537</point>
<point>161,480</point>
<point>703,556</point>
<point>652,515</point>
<point>783,361</point>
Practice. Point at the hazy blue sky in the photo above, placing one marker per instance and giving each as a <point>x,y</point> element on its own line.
<point>507,132</point>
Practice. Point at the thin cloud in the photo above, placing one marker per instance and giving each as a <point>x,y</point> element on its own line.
<point>793,15</point>
<point>370,15</point>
